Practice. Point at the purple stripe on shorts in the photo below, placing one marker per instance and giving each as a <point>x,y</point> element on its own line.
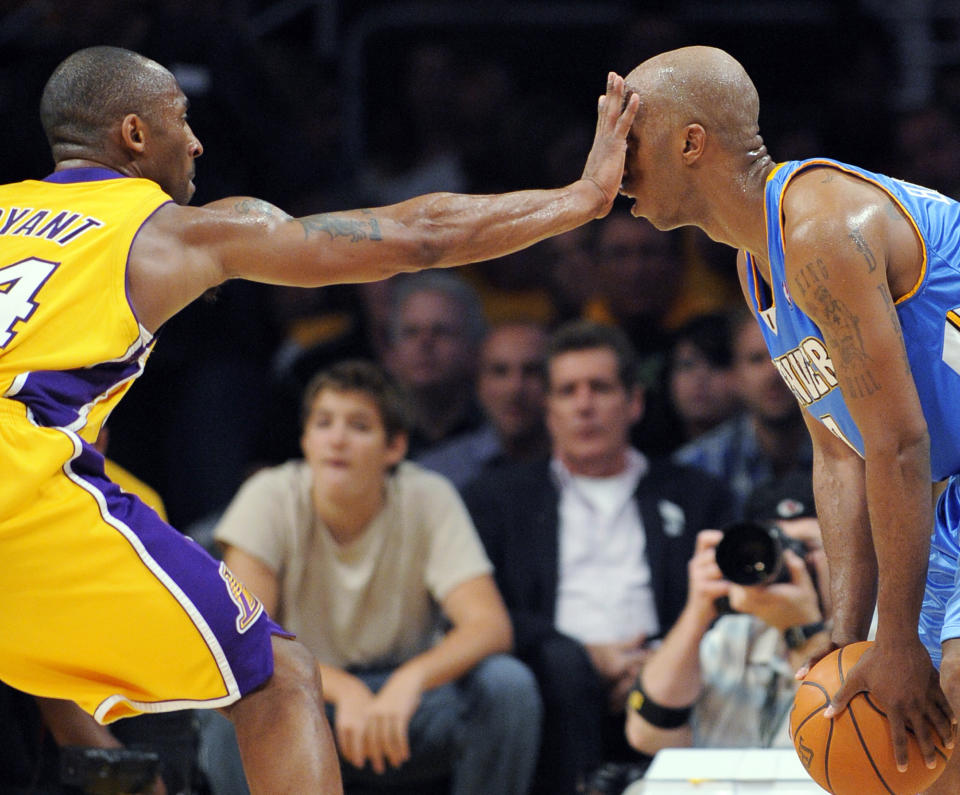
<point>175,558</point>
<point>91,174</point>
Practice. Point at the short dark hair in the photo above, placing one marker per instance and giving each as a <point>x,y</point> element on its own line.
<point>448,284</point>
<point>581,335</point>
<point>710,334</point>
<point>94,88</point>
<point>367,378</point>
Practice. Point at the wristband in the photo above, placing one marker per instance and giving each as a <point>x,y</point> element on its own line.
<point>655,714</point>
<point>797,637</point>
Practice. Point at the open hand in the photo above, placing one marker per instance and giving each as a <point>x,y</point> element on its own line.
<point>604,167</point>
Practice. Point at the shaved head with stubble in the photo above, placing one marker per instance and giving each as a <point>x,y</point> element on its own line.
<point>695,137</point>
<point>702,85</point>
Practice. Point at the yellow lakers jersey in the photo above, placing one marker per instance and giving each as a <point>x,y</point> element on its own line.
<point>70,344</point>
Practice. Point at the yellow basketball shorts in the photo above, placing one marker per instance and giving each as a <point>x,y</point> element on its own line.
<point>106,604</point>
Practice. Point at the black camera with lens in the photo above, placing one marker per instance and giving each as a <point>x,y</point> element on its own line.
<point>751,553</point>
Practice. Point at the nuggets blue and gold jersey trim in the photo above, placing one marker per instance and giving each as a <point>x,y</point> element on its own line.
<point>929,315</point>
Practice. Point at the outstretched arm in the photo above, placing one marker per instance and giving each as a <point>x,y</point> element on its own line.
<point>183,251</point>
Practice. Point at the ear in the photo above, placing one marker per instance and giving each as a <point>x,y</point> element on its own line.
<point>694,143</point>
<point>133,133</point>
<point>397,449</point>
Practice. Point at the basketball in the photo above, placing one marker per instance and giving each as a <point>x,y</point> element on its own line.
<point>852,754</point>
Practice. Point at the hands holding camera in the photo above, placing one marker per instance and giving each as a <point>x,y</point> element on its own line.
<point>758,570</point>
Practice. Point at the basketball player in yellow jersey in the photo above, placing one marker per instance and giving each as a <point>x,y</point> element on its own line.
<point>106,604</point>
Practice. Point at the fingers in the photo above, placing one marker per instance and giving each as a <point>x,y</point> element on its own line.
<point>373,747</point>
<point>850,687</point>
<point>350,740</point>
<point>898,735</point>
<point>797,567</point>
<point>707,539</point>
<point>941,717</point>
<point>815,657</point>
<point>387,742</point>
<point>900,724</point>
<point>615,108</point>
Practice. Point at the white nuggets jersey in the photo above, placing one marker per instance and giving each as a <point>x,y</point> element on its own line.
<point>929,316</point>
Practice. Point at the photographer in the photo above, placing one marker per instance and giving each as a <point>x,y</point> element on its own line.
<point>724,675</point>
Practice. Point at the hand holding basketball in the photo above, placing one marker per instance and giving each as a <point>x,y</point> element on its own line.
<point>854,751</point>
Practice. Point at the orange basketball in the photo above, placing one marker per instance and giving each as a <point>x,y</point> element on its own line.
<point>852,754</point>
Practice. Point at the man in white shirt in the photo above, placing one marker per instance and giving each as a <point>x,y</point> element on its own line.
<point>590,548</point>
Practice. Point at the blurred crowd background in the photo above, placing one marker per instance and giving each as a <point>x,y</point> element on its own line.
<point>318,105</point>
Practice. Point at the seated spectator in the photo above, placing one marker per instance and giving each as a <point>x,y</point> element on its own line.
<point>697,390</point>
<point>590,549</point>
<point>768,438</point>
<point>699,379</point>
<point>436,328</point>
<point>728,680</point>
<point>511,388</point>
<point>636,268</point>
<point>364,556</point>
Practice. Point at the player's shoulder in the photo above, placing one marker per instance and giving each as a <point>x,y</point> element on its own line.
<point>823,193</point>
<point>820,206</point>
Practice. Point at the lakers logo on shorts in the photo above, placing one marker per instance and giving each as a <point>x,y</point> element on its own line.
<point>250,607</point>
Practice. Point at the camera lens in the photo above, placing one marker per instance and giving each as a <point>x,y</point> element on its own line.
<point>750,553</point>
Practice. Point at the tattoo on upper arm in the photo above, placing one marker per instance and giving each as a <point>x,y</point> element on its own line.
<point>255,207</point>
<point>335,226</point>
<point>840,326</point>
<point>810,275</point>
<point>843,335</point>
<point>864,248</point>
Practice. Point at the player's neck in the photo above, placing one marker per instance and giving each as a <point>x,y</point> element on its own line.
<point>735,214</point>
<point>81,162</point>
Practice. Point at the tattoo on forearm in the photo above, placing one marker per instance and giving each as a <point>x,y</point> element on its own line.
<point>862,385</point>
<point>342,227</point>
<point>374,226</point>
<point>864,248</point>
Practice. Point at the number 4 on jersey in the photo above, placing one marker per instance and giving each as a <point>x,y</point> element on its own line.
<point>19,284</point>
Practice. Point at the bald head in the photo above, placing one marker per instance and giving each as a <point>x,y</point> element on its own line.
<point>94,89</point>
<point>702,85</point>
